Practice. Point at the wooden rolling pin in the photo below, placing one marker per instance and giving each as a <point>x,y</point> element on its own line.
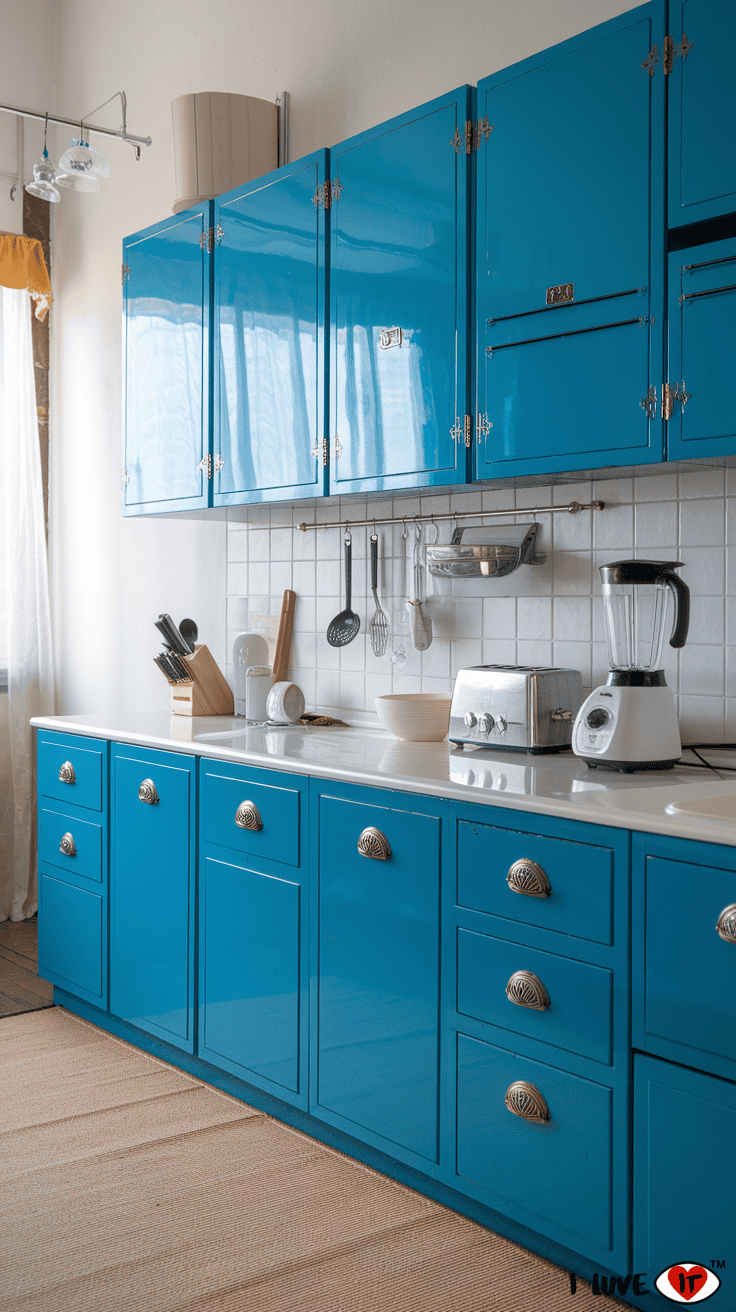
<point>283,642</point>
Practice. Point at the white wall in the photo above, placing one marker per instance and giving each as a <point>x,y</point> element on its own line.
<point>27,49</point>
<point>347,66</point>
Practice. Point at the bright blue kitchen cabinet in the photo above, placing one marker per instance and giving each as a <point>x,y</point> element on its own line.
<point>399,300</point>
<point>684,1183</point>
<point>702,346</point>
<point>570,255</point>
<point>269,280</point>
<point>152,871</point>
<point>254,927</point>
<point>701,146</point>
<point>166,343</point>
<point>376,1022</point>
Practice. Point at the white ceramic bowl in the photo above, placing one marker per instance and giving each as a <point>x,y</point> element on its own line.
<point>419,717</point>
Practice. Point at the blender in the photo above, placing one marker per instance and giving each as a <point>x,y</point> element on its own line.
<point>631,723</point>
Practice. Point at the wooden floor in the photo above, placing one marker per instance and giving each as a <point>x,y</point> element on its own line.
<point>20,988</point>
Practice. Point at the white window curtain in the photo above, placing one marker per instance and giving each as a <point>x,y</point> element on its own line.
<point>25,626</point>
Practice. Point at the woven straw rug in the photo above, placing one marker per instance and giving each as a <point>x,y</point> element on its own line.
<point>128,1186</point>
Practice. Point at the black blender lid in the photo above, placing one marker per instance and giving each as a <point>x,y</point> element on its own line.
<point>638,571</point>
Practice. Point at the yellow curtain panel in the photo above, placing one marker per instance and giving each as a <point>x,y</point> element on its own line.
<point>22,265</point>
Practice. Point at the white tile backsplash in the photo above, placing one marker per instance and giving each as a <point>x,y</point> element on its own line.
<point>540,614</point>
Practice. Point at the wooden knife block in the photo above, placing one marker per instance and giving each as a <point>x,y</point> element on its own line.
<point>209,692</point>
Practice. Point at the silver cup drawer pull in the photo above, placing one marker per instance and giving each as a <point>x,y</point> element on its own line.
<point>66,774</point>
<point>726,925</point>
<point>67,845</point>
<point>525,1100</point>
<point>248,816</point>
<point>527,990</point>
<point>374,844</point>
<point>148,793</point>
<point>528,877</point>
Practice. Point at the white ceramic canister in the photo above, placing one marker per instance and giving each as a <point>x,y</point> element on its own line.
<point>257,687</point>
<point>285,703</point>
<point>248,649</point>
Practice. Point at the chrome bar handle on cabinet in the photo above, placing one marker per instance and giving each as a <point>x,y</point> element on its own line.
<point>374,844</point>
<point>527,990</point>
<point>248,816</point>
<point>67,845</point>
<point>148,793</point>
<point>528,877</point>
<point>726,925</point>
<point>66,773</point>
<point>525,1100</point>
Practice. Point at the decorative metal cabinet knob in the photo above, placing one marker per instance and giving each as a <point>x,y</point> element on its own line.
<point>528,877</point>
<point>527,990</point>
<point>67,845</point>
<point>726,925</point>
<point>525,1100</point>
<point>248,816</point>
<point>66,773</point>
<point>374,844</point>
<point>147,792</point>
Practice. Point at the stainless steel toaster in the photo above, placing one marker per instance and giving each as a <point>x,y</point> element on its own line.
<point>527,708</point>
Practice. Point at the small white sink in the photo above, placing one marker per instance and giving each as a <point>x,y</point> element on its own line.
<point>720,808</point>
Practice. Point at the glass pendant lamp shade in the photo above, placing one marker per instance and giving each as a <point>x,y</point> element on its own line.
<point>81,160</point>
<point>43,180</point>
<point>78,181</point>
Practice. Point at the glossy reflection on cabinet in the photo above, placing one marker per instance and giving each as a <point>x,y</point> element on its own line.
<point>569,292</point>
<point>269,328</point>
<point>398,289</point>
<point>166,336</point>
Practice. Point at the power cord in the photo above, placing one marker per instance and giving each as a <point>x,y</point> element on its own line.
<point>724,747</point>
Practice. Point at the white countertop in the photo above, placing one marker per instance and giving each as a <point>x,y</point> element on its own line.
<point>555,784</point>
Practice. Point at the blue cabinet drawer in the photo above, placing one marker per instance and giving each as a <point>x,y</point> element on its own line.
<point>71,944</point>
<point>684,1131</point>
<point>576,880</point>
<point>690,970</point>
<point>72,844</point>
<point>576,998</point>
<point>555,1175</point>
<point>71,770</point>
<point>235,800</point>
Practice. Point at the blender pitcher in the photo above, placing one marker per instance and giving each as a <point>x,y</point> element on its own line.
<point>631,722</point>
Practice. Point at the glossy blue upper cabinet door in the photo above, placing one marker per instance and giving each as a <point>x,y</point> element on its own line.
<point>702,109</point>
<point>166,336</point>
<point>570,254</point>
<point>398,292</point>
<point>269,332</point>
<point>702,348</point>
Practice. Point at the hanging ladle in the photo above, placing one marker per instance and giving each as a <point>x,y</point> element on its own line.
<point>345,626</point>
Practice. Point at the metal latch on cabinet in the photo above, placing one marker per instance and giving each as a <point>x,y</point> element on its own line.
<point>206,465</point>
<point>670,397</point>
<point>462,429</point>
<point>473,135</point>
<point>670,52</point>
<point>210,236</point>
<point>327,194</point>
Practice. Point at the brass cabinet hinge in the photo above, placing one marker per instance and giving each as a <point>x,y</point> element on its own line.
<point>670,397</point>
<point>462,430</point>
<point>672,52</point>
<point>322,447</point>
<point>205,466</point>
<point>328,194</point>
<point>468,430</point>
<point>124,477</point>
<point>473,134</point>
<point>126,272</point>
<point>209,237</point>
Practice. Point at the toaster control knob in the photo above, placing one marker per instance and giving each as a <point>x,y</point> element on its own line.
<point>501,724</point>
<point>485,723</point>
<point>597,718</point>
<point>470,719</point>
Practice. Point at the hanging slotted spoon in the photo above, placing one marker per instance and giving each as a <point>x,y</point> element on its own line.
<point>345,626</point>
<point>379,629</point>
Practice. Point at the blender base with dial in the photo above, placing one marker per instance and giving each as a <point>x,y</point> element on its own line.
<point>628,724</point>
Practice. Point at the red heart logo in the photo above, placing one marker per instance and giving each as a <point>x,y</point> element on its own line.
<point>687,1282</point>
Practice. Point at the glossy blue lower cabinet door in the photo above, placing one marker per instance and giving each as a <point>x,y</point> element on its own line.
<point>702,329</point>
<point>378,974</point>
<point>554,1175</point>
<point>72,950</point>
<point>166,327</point>
<point>152,892</point>
<point>684,1190</point>
<point>250,974</point>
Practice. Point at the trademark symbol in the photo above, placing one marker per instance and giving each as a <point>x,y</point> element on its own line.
<point>715,1263</point>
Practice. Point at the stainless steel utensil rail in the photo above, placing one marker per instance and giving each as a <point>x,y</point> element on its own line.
<point>572,508</point>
